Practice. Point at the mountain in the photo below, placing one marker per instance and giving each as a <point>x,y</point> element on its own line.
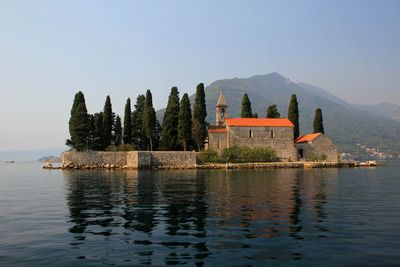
<point>346,124</point>
<point>387,110</point>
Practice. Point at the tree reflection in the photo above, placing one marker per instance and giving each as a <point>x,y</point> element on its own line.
<point>178,217</point>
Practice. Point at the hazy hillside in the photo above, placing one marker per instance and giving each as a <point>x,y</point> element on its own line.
<point>346,124</point>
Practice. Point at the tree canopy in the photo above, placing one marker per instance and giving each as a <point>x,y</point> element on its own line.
<point>199,125</point>
<point>169,132</point>
<point>318,124</point>
<point>293,115</point>
<point>79,124</point>
<point>246,107</point>
<point>185,122</point>
<point>272,112</point>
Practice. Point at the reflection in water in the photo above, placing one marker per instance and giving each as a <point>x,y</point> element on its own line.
<point>196,217</point>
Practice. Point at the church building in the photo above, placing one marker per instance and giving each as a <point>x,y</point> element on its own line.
<point>252,132</point>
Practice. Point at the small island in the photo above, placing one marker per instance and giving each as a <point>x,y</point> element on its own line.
<point>185,140</point>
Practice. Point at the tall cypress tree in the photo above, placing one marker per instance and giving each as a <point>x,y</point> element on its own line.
<point>137,119</point>
<point>78,124</point>
<point>246,107</point>
<point>293,115</point>
<point>128,122</point>
<point>272,112</point>
<point>118,131</point>
<point>169,132</point>
<point>98,132</point>
<point>148,122</point>
<point>92,132</point>
<point>107,123</point>
<point>318,123</point>
<point>185,122</point>
<point>199,129</point>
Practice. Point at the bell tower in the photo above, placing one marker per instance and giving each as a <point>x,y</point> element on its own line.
<point>221,110</point>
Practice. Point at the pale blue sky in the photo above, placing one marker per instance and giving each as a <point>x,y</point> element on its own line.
<point>51,49</point>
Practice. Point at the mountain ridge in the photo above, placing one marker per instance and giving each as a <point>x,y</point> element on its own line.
<point>345,123</point>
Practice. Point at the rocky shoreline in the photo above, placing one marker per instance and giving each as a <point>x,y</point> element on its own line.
<point>257,165</point>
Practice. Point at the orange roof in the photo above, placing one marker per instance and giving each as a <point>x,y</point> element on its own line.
<point>307,138</point>
<point>217,130</point>
<point>279,122</point>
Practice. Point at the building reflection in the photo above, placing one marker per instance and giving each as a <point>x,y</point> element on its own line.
<point>176,217</point>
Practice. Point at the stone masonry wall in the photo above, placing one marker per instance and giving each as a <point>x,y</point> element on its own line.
<point>95,158</point>
<point>132,159</point>
<point>217,141</point>
<point>281,140</point>
<point>173,159</point>
<point>320,146</point>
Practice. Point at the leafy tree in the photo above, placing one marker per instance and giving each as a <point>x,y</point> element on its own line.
<point>199,128</point>
<point>293,115</point>
<point>78,124</point>
<point>185,122</point>
<point>137,121</point>
<point>169,133</point>
<point>107,123</point>
<point>246,107</point>
<point>148,122</point>
<point>318,124</point>
<point>127,137</point>
<point>272,112</point>
<point>117,131</point>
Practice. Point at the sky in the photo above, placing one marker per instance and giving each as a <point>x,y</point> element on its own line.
<point>49,50</point>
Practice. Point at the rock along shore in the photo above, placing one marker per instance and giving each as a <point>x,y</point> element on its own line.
<point>256,165</point>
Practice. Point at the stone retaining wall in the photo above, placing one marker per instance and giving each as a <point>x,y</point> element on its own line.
<point>132,159</point>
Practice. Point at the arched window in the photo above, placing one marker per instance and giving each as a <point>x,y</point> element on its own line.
<point>251,134</point>
<point>222,114</point>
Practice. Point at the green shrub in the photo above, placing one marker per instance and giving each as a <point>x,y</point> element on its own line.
<point>125,147</point>
<point>241,154</point>
<point>209,156</point>
<point>316,157</point>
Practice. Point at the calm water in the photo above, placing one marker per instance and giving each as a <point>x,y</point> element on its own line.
<point>330,217</point>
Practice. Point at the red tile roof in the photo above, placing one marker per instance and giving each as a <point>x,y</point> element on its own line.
<point>279,122</point>
<point>307,138</point>
<point>217,130</point>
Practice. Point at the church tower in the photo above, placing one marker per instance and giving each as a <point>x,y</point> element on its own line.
<point>221,110</point>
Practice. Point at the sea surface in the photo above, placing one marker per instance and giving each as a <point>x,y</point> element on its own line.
<point>288,217</point>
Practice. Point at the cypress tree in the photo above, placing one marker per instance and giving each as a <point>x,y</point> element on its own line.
<point>157,135</point>
<point>293,115</point>
<point>148,122</point>
<point>169,133</point>
<point>246,107</point>
<point>107,123</point>
<point>118,131</point>
<point>199,129</point>
<point>78,124</point>
<point>272,112</point>
<point>98,131</point>
<point>137,119</point>
<point>92,132</point>
<point>318,124</point>
<point>185,122</point>
<point>128,122</point>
